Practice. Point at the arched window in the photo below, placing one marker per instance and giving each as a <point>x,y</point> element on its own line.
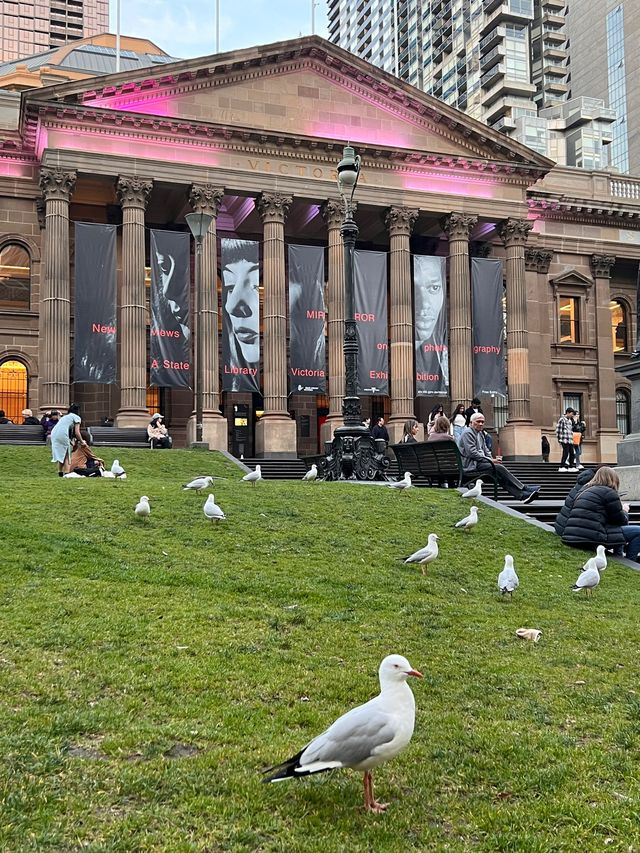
<point>622,411</point>
<point>15,278</point>
<point>619,325</point>
<point>13,389</point>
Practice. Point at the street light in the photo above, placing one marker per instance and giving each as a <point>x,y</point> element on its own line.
<point>353,454</point>
<point>199,226</point>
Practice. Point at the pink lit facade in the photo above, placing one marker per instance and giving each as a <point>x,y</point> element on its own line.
<point>37,25</point>
<point>254,137</point>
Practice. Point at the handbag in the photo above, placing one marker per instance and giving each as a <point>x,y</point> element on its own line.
<point>577,438</point>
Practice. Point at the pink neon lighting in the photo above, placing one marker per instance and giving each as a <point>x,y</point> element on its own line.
<point>364,135</point>
<point>15,169</point>
<point>155,106</point>
<point>451,186</point>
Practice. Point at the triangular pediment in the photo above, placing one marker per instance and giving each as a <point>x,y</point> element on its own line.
<point>307,88</point>
<point>572,277</point>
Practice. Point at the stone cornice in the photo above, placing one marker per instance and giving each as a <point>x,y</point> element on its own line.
<point>591,210</point>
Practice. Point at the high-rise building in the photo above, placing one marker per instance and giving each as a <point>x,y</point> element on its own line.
<point>27,27</point>
<point>505,62</point>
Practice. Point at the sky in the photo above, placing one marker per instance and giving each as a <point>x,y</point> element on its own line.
<point>186,28</point>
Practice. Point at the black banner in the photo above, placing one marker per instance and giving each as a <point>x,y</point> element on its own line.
<point>170,314</point>
<point>307,315</point>
<point>370,312</point>
<point>240,263</point>
<point>95,358</point>
<point>488,327</point>
<point>430,325</point>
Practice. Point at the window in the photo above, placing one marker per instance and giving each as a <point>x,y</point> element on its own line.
<point>13,389</point>
<point>153,399</point>
<point>622,411</point>
<point>618,326</point>
<point>569,313</point>
<point>573,401</point>
<point>15,278</point>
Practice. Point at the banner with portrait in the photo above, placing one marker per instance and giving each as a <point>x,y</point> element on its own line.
<point>240,264</point>
<point>430,325</point>
<point>488,327</point>
<point>170,330</point>
<point>307,317</point>
<point>95,353</point>
<point>370,312</point>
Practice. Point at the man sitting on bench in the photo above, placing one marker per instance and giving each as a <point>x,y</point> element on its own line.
<point>476,461</point>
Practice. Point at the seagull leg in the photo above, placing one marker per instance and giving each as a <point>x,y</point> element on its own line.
<point>370,803</point>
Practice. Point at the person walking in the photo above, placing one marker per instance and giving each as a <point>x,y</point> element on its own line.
<point>564,434</point>
<point>409,432</point>
<point>60,439</point>
<point>458,421</point>
<point>546,448</point>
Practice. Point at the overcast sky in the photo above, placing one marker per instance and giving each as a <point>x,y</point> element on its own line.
<point>185,28</point>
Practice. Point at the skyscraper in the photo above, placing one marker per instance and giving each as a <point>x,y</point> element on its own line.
<point>34,25</point>
<point>505,62</point>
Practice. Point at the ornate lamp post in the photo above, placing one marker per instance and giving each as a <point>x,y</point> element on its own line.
<point>199,225</point>
<point>353,454</point>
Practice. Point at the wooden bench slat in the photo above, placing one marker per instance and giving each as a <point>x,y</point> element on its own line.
<point>118,436</point>
<point>435,460</point>
<point>21,434</point>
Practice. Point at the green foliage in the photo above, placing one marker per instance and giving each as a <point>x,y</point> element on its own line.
<point>148,671</point>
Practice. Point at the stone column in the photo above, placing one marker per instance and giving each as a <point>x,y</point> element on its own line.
<point>400,221</point>
<point>275,431</point>
<point>540,323</point>
<point>205,198</point>
<point>607,435</point>
<point>333,213</point>
<point>55,321</point>
<point>457,226</point>
<point>133,193</point>
<point>519,439</point>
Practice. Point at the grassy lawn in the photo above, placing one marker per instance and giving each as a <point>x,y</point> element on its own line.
<point>149,671</point>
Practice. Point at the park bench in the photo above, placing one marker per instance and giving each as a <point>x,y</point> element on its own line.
<point>437,462</point>
<point>118,436</point>
<point>21,434</point>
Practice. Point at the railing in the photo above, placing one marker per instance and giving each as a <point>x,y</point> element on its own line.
<point>624,188</point>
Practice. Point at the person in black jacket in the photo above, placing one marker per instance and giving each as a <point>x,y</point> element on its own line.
<point>473,408</point>
<point>380,430</point>
<point>581,481</point>
<point>598,517</point>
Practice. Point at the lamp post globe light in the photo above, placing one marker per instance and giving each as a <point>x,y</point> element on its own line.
<point>353,454</point>
<point>199,226</point>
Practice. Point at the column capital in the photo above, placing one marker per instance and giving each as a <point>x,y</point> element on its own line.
<point>205,198</point>
<point>537,260</point>
<point>133,191</point>
<point>57,184</point>
<point>601,265</point>
<point>400,220</point>
<point>273,207</point>
<point>41,211</point>
<point>458,226</point>
<point>333,212</point>
<point>514,232</point>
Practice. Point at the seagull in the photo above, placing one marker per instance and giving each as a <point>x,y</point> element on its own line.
<point>116,469</point>
<point>212,511</point>
<point>508,581</point>
<point>600,558</point>
<point>402,484</point>
<point>474,492</point>
<point>589,579</point>
<point>469,521</point>
<point>427,554</point>
<point>312,473</point>
<point>365,736</point>
<point>143,510</point>
<point>108,474</point>
<point>198,484</point>
<point>253,476</point>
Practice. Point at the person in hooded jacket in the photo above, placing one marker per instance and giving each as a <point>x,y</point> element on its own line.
<point>562,517</point>
<point>598,517</point>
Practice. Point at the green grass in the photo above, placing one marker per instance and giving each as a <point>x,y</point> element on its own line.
<point>149,671</point>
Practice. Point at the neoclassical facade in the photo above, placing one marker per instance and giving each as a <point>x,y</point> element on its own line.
<point>253,138</point>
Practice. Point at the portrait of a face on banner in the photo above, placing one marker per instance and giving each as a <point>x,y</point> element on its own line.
<point>307,317</point>
<point>170,329</point>
<point>430,325</point>
<point>240,264</point>
<point>370,311</point>
<point>95,304</point>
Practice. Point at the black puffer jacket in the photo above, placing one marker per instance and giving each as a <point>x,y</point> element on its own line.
<point>581,481</point>
<point>595,518</point>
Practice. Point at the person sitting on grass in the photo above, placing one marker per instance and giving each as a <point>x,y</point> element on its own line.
<point>83,459</point>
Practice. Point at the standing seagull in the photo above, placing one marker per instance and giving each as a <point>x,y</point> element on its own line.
<point>253,476</point>
<point>312,473</point>
<point>143,510</point>
<point>508,581</point>
<point>365,736</point>
<point>117,470</point>
<point>198,484</point>
<point>212,511</point>
<point>600,558</point>
<point>589,579</point>
<point>402,484</point>
<point>468,521</point>
<point>427,554</point>
<point>474,492</point>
